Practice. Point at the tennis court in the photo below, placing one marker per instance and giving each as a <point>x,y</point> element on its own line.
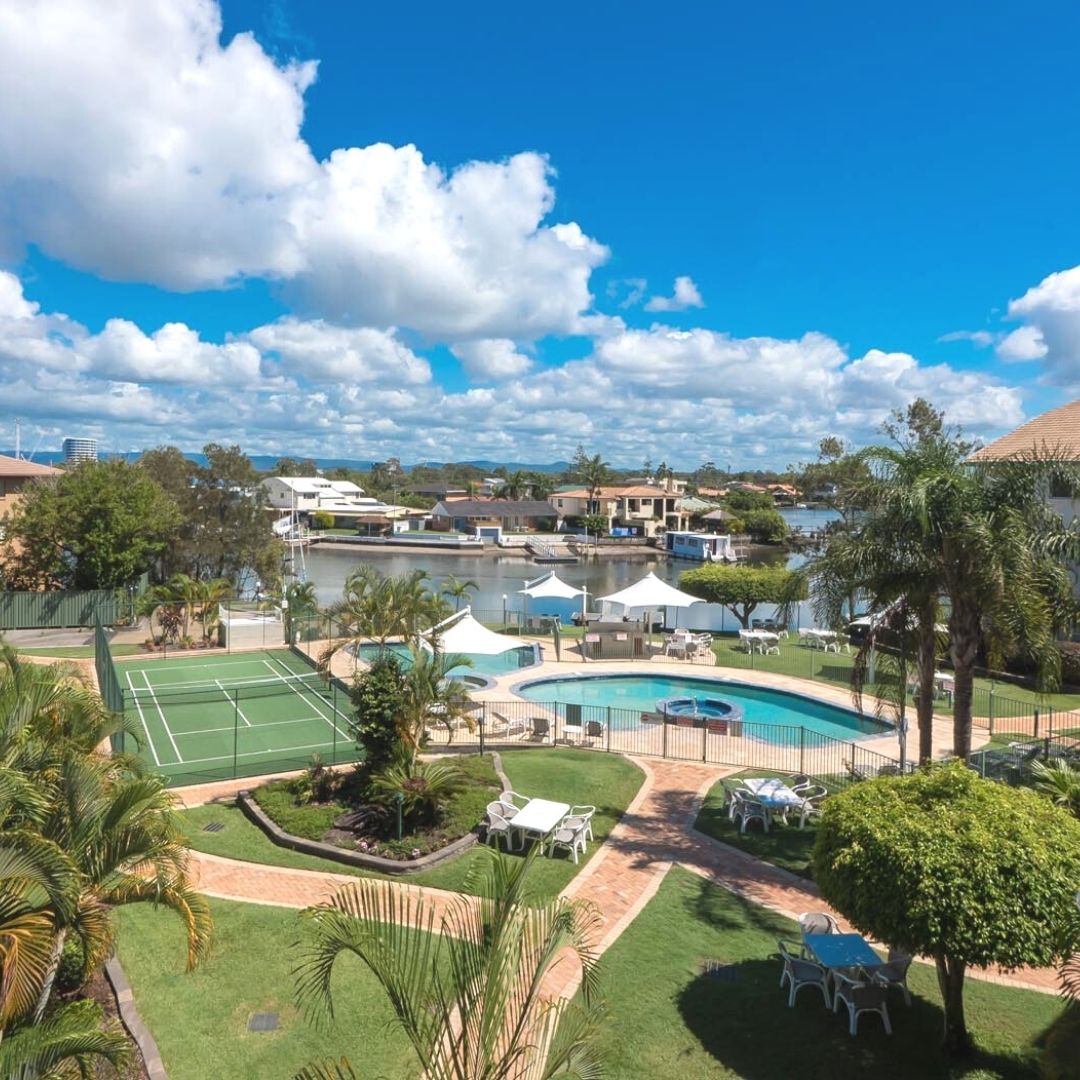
<point>211,717</point>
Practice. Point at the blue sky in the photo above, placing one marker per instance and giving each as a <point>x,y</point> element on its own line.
<point>838,188</point>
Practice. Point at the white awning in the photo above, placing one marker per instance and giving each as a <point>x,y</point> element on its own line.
<point>468,636</point>
<point>650,594</point>
<point>551,586</point>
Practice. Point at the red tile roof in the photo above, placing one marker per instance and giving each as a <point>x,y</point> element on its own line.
<point>10,466</point>
<point>1054,435</point>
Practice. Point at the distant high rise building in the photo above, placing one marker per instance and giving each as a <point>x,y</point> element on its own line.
<point>76,450</point>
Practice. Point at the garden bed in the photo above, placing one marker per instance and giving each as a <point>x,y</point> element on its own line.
<point>288,819</point>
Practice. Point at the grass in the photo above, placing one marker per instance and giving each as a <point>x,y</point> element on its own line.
<point>608,782</point>
<point>786,846</point>
<point>679,1022</point>
<point>199,1019</point>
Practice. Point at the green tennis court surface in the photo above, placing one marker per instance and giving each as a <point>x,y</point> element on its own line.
<point>206,718</point>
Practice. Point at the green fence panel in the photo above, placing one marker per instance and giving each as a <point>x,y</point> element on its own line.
<point>55,610</point>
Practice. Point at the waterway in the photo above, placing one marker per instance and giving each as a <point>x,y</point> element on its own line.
<point>499,576</point>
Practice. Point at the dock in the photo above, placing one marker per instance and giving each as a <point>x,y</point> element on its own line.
<point>545,553</point>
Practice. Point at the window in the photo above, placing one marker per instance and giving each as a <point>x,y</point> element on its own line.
<point>1059,489</point>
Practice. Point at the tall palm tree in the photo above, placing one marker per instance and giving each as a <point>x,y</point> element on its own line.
<point>431,695</point>
<point>593,472</point>
<point>468,989</point>
<point>540,485</point>
<point>458,590</point>
<point>514,486</point>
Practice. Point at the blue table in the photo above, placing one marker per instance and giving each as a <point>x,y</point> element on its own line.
<point>842,950</point>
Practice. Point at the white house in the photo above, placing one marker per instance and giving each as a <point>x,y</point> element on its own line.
<point>342,498</point>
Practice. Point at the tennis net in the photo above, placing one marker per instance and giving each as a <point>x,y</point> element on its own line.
<point>239,690</point>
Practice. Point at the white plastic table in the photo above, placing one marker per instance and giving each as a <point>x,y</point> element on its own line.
<point>539,818</point>
<point>773,793</point>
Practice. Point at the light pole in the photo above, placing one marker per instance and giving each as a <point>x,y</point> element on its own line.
<point>504,611</point>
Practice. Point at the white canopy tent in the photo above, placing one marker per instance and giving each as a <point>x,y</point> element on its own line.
<point>550,586</point>
<point>461,633</point>
<point>648,594</point>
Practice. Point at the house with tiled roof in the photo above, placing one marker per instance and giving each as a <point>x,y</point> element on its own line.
<point>15,475</point>
<point>1053,436</point>
<point>640,508</point>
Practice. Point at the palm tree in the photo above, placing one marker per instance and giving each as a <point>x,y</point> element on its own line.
<point>514,486</point>
<point>593,472</point>
<point>540,486</point>
<point>458,590</point>
<point>300,606</point>
<point>432,695</point>
<point>468,989</point>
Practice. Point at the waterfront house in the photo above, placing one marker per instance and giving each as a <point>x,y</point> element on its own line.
<point>346,501</point>
<point>509,515</point>
<point>641,509</point>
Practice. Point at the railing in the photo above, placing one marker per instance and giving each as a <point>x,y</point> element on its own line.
<point>746,744</point>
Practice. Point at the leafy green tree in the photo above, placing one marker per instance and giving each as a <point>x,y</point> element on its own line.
<point>742,588</point>
<point>766,526</point>
<point>378,697</point>
<point>322,519</point>
<point>288,466</point>
<point>942,863</point>
<point>224,530</point>
<point>468,991</point>
<point>596,523</point>
<point>742,502</point>
<point>96,526</point>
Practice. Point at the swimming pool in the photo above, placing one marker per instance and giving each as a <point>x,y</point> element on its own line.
<point>769,711</point>
<point>482,664</point>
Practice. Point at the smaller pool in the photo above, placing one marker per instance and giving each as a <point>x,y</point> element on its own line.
<point>482,664</point>
<point>711,708</point>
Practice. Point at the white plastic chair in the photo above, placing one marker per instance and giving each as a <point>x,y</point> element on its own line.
<point>818,922</point>
<point>811,804</point>
<point>569,837</point>
<point>512,798</point>
<point>498,825</point>
<point>748,810</point>
<point>799,972</point>
<point>894,973</point>
<point>860,997</point>
<point>586,814</point>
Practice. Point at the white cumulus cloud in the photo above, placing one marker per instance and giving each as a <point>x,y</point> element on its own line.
<point>491,359</point>
<point>685,296</point>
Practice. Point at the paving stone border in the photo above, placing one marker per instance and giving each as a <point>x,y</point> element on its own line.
<point>133,1022</point>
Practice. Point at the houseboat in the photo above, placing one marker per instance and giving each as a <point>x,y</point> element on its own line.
<point>704,547</point>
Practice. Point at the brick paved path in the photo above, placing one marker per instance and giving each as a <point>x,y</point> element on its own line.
<point>655,833</point>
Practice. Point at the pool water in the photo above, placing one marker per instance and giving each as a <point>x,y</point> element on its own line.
<point>761,706</point>
<point>482,664</point>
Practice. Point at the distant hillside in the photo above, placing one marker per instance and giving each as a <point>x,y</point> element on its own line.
<point>265,462</point>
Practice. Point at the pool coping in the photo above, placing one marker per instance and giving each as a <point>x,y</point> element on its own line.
<point>481,680</point>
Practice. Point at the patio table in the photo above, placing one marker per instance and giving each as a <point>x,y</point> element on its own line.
<point>842,950</point>
<point>773,793</point>
<point>539,818</point>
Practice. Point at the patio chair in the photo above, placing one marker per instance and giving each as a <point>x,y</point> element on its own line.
<point>894,973</point>
<point>512,798</point>
<point>585,812</point>
<point>747,810</point>
<point>817,922</point>
<point>541,727</point>
<point>570,837</point>
<point>798,782</point>
<point>813,797</point>
<point>498,825</point>
<point>594,730</point>
<point>860,997</point>
<point>799,972</point>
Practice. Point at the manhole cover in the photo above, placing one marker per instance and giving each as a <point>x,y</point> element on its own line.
<point>263,1022</point>
<point>214,826</point>
<point>721,972</point>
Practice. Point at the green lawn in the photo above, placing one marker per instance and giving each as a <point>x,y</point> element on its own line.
<point>679,1022</point>
<point>200,1019</point>
<point>787,846</point>
<point>606,781</point>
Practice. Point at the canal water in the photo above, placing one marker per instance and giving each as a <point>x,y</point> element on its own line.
<point>502,575</point>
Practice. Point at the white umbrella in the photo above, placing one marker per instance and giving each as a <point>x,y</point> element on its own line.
<point>468,636</point>
<point>550,586</point>
<point>650,594</point>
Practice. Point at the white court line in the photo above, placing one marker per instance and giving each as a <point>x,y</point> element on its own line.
<point>311,703</point>
<point>164,722</point>
<point>135,698</point>
<point>187,684</point>
<point>256,753</point>
<point>234,704</point>
<point>275,723</point>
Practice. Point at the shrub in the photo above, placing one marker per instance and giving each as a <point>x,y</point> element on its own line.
<point>765,526</point>
<point>322,519</point>
<point>71,973</point>
<point>422,790</point>
<point>378,697</point>
<point>1070,662</point>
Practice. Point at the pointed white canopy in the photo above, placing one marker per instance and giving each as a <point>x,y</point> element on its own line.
<point>650,594</point>
<point>550,586</point>
<point>466,635</point>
